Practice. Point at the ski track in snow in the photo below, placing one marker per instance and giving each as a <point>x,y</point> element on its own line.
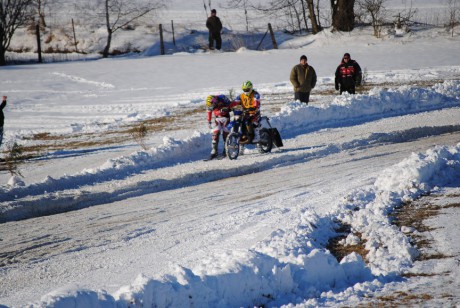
<point>83,80</point>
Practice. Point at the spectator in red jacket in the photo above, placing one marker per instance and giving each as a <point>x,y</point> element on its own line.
<point>348,75</point>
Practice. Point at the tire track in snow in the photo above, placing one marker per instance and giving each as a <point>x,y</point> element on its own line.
<point>65,199</point>
<point>83,80</point>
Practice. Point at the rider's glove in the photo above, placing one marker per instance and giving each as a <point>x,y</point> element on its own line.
<point>209,125</point>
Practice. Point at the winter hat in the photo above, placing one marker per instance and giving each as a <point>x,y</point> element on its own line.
<point>303,57</point>
<point>213,11</point>
<point>347,55</point>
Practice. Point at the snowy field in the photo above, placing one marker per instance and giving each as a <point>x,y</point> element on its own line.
<point>95,220</point>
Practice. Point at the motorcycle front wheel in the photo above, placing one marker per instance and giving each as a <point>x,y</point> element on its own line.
<point>232,146</point>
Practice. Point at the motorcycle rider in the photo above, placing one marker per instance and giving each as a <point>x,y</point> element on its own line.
<point>250,101</point>
<point>220,106</point>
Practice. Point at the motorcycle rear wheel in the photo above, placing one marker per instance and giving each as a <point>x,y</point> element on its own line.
<point>266,145</point>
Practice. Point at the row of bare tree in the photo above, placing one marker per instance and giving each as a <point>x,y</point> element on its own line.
<point>116,14</point>
<point>300,13</point>
<point>340,14</point>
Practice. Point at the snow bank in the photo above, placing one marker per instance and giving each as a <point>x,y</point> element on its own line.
<point>291,121</point>
<point>356,109</point>
<point>390,252</point>
<point>293,264</point>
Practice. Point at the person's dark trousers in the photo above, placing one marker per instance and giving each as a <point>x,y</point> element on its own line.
<point>303,97</point>
<point>218,41</point>
<point>350,90</point>
<point>1,135</point>
<point>215,37</point>
<point>211,41</point>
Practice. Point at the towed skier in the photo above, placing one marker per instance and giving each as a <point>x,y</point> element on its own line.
<point>219,105</point>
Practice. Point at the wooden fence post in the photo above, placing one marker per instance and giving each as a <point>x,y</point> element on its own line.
<point>275,46</point>
<point>172,26</point>
<point>74,36</point>
<point>162,44</point>
<point>39,47</point>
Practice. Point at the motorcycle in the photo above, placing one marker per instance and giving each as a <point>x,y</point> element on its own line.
<point>241,133</point>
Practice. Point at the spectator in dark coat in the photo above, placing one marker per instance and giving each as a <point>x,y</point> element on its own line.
<point>2,118</point>
<point>303,78</point>
<point>214,26</point>
<point>348,75</point>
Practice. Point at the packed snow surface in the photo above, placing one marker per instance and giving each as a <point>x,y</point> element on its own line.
<point>120,226</point>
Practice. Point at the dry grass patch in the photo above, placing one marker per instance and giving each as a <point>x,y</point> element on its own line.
<point>339,250</point>
<point>413,215</point>
<point>403,299</point>
<point>46,142</point>
<point>410,275</point>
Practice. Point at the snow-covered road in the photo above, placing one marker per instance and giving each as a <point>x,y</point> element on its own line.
<point>213,208</point>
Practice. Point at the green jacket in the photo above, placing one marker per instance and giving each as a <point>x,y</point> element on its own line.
<point>303,79</point>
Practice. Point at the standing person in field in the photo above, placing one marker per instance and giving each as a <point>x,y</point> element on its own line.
<point>348,75</point>
<point>2,117</point>
<point>303,78</point>
<point>214,26</point>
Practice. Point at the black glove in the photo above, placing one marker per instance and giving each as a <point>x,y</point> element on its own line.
<point>337,86</point>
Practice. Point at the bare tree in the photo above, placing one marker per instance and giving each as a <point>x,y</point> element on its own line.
<point>294,10</point>
<point>118,14</point>
<point>304,15</point>
<point>376,11</point>
<point>241,4</point>
<point>13,14</point>
<point>40,7</point>
<point>404,18</point>
<point>318,14</point>
<point>295,13</point>
<point>343,15</point>
<point>314,23</point>
<point>452,14</point>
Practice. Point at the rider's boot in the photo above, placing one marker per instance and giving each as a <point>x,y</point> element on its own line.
<point>214,150</point>
<point>256,135</point>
